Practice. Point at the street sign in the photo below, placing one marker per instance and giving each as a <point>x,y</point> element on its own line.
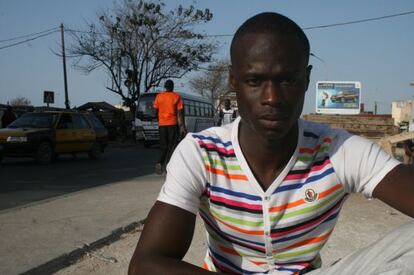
<point>48,97</point>
<point>338,97</point>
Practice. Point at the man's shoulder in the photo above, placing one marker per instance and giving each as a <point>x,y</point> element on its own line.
<point>316,130</point>
<point>213,135</point>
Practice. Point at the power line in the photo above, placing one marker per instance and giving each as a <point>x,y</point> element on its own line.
<point>27,35</point>
<point>27,40</point>
<point>55,29</point>
<point>337,24</point>
<point>360,21</point>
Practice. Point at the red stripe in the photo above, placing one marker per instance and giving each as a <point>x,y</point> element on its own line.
<point>305,226</point>
<point>314,168</point>
<point>236,203</point>
<point>218,149</point>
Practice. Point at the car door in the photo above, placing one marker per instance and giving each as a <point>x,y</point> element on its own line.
<point>65,134</point>
<point>85,135</point>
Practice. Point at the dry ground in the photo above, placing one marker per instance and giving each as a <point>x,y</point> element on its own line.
<point>361,222</point>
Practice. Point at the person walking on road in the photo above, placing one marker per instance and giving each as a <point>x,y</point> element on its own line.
<point>227,115</point>
<point>8,116</point>
<point>270,186</point>
<point>171,123</point>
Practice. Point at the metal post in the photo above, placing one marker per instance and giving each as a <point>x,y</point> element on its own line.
<point>64,67</point>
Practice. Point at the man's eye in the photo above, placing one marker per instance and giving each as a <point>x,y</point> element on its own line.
<point>253,81</point>
<point>290,81</point>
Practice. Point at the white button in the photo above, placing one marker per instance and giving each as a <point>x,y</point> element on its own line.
<point>266,198</point>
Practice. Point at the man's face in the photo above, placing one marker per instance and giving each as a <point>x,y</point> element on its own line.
<point>270,76</point>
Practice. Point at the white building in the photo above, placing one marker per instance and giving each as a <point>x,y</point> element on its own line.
<point>403,112</point>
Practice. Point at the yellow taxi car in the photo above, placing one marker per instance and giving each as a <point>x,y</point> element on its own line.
<point>44,135</point>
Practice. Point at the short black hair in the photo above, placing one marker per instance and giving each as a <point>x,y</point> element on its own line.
<point>169,85</point>
<point>269,22</point>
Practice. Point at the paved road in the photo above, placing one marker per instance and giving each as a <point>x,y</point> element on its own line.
<point>23,181</point>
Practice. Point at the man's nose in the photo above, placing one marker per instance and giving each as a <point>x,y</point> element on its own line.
<point>272,94</point>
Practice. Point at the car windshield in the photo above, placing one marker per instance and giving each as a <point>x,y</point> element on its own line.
<point>34,120</point>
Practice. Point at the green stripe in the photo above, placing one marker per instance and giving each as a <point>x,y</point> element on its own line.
<point>237,221</point>
<point>218,163</point>
<point>308,209</point>
<point>298,253</point>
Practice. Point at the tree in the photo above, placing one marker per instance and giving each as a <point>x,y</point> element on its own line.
<point>212,81</point>
<point>141,44</point>
<point>20,101</point>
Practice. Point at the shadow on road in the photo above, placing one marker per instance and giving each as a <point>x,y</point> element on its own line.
<point>23,181</point>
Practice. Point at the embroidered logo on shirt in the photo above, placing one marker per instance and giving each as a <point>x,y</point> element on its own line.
<point>310,195</point>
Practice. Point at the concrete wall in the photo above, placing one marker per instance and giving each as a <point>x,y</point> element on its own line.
<point>402,111</point>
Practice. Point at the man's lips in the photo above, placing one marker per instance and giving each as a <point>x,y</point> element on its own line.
<point>275,117</point>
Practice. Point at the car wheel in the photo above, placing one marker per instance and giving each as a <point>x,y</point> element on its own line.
<point>44,153</point>
<point>96,151</point>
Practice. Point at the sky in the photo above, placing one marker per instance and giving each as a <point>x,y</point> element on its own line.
<point>379,54</point>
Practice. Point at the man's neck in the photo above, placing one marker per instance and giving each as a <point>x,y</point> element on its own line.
<point>267,158</point>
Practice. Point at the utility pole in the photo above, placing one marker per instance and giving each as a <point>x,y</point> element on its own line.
<point>64,67</point>
<point>375,108</point>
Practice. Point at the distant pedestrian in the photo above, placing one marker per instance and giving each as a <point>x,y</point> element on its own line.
<point>8,117</point>
<point>227,114</point>
<point>170,113</point>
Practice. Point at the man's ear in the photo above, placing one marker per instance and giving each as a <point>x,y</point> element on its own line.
<point>232,80</point>
<point>308,73</point>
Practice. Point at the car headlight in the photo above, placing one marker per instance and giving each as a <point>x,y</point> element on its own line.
<point>17,139</point>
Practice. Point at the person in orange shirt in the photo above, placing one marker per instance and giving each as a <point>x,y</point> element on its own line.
<point>170,113</point>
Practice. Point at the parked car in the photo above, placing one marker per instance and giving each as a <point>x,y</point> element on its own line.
<point>345,96</point>
<point>46,134</point>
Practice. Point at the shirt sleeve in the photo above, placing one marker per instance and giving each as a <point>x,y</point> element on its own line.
<point>180,105</point>
<point>156,102</point>
<point>360,163</point>
<point>186,177</point>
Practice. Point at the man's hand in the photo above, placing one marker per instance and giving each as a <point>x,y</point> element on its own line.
<point>183,131</point>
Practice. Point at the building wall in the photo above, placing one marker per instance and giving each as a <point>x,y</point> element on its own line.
<point>402,111</point>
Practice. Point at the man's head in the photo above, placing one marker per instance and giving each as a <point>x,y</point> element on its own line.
<point>227,104</point>
<point>169,85</point>
<point>270,74</point>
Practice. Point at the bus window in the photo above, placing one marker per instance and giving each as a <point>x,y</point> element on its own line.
<point>202,112</point>
<point>197,104</point>
<point>192,109</point>
<point>186,107</point>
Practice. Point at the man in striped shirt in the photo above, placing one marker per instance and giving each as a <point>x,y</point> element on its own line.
<point>270,186</point>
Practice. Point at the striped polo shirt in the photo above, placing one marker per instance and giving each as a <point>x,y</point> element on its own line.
<point>280,230</point>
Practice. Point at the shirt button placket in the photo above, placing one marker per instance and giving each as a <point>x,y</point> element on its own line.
<point>268,238</point>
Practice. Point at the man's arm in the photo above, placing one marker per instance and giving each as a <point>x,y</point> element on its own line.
<point>181,123</point>
<point>166,237</point>
<point>397,189</point>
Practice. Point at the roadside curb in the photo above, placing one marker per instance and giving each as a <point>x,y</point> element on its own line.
<point>70,258</point>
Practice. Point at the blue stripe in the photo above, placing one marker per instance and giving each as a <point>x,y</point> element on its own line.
<point>233,193</point>
<point>310,134</point>
<point>215,140</point>
<point>331,217</point>
<point>308,180</point>
<point>227,236</point>
<point>224,260</point>
<point>288,269</point>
